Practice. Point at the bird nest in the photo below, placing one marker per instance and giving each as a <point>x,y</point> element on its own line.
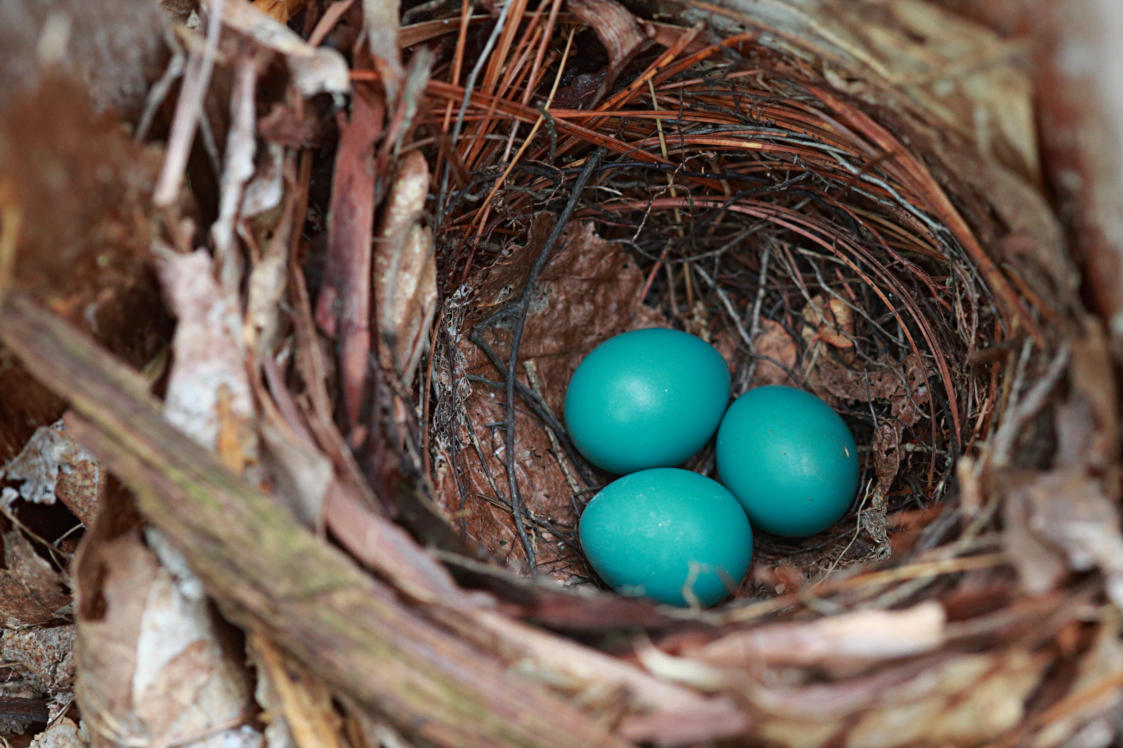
<point>357,446</point>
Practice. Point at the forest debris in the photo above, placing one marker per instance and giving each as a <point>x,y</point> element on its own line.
<point>1104,661</point>
<point>863,635</point>
<point>237,169</point>
<point>44,654</point>
<point>886,454</point>
<point>152,663</point>
<point>31,591</point>
<point>258,561</point>
<point>380,22</point>
<point>209,373</point>
<point>405,269</point>
<point>54,466</point>
<point>586,294</point>
<point>314,69</point>
<point>298,705</point>
<point>1069,511</point>
<point>913,704</point>
<point>60,734</point>
<point>301,474</point>
<point>91,266</point>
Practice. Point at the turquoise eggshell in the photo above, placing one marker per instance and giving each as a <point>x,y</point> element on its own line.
<point>646,398</point>
<point>789,458</point>
<point>669,535</point>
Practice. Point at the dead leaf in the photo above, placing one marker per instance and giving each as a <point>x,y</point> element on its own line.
<point>778,354</point>
<point>31,591</point>
<point>828,320</point>
<point>615,27</point>
<point>886,454</point>
<point>54,466</point>
<point>586,294</point>
<point>298,704</point>
<point>1103,661</point>
<point>1065,511</point>
<point>45,654</point>
<point>152,665</point>
<point>61,734</point>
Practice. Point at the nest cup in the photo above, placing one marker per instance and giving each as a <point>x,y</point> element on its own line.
<point>818,239</point>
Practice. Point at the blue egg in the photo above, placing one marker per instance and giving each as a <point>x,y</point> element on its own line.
<point>646,398</point>
<point>790,460</point>
<point>669,535</point>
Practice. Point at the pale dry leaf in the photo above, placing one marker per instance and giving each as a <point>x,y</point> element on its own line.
<point>380,22</point>
<point>153,666</point>
<point>863,635</point>
<point>314,69</point>
<point>60,734</point>
<point>209,359</point>
<point>264,192</point>
<point>54,466</point>
<point>31,591</point>
<point>268,280</point>
<point>965,700</point>
<point>237,169</point>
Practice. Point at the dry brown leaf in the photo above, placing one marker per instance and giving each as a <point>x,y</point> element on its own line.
<point>828,320</point>
<point>778,353</point>
<point>886,454</point>
<point>615,27</point>
<point>586,294</point>
<point>31,591</point>
<point>45,655</point>
<point>152,663</point>
<point>54,466</point>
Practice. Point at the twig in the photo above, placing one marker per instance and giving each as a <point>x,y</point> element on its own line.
<point>190,106</point>
<point>518,311</point>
